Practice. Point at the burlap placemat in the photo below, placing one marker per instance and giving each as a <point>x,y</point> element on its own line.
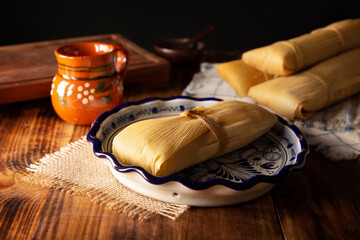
<point>76,169</point>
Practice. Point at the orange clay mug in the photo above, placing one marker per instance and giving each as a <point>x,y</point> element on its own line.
<point>89,80</point>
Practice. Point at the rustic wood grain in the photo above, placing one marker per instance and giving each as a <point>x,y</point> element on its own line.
<point>321,201</point>
<point>253,220</point>
<point>27,70</point>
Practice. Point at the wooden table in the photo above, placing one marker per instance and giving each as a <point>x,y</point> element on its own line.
<point>321,201</point>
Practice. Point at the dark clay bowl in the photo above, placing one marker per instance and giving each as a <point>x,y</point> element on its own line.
<point>173,51</point>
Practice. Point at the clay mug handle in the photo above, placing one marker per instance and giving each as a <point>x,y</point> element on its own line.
<point>122,60</point>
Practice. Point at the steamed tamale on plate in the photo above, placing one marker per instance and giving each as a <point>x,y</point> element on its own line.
<point>235,177</point>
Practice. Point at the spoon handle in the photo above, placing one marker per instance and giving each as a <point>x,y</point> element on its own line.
<point>199,36</point>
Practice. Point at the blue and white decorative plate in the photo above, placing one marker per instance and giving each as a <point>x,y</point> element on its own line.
<point>238,176</point>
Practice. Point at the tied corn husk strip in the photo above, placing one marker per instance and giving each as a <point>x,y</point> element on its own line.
<point>241,76</point>
<point>169,145</point>
<point>216,130</point>
<point>299,95</point>
<point>287,57</point>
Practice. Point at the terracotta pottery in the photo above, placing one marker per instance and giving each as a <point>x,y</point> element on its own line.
<point>89,80</point>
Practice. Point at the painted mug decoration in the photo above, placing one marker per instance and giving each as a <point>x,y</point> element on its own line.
<point>89,80</point>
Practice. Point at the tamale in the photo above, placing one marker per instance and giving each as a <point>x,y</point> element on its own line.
<point>287,57</point>
<point>241,76</point>
<point>168,145</point>
<point>299,95</point>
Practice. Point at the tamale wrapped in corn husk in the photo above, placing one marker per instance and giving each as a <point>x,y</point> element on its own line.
<point>168,145</point>
<point>241,76</point>
<point>299,95</point>
<point>287,57</point>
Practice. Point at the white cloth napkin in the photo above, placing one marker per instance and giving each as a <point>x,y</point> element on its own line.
<point>335,131</point>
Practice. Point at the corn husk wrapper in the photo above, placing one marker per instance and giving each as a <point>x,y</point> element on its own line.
<point>299,95</point>
<point>168,145</point>
<point>287,57</point>
<point>241,76</point>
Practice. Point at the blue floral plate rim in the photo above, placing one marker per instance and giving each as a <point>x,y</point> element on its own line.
<point>97,148</point>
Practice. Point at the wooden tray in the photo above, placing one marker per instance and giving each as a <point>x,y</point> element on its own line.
<point>27,70</point>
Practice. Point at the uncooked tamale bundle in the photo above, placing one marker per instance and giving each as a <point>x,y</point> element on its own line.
<point>299,95</point>
<point>168,145</point>
<point>287,57</point>
<point>241,76</point>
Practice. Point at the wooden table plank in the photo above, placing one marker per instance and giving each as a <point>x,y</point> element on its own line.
<point>321,201</point>
<point>252,220</point>
<point>33,130</point>
<point>53,214</point>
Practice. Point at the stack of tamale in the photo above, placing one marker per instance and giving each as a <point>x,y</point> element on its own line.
<point>299,76</point>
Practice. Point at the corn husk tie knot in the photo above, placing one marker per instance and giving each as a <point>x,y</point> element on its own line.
<point>214,128</point>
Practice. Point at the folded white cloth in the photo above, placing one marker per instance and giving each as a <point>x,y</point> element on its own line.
<point>335,131</point>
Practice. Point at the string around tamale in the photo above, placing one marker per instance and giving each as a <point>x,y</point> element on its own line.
<point>214,128</point>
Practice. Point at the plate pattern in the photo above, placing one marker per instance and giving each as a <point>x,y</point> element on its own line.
<point>265,156</point>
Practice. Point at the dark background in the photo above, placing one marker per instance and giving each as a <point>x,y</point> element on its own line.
<point>240,25</point>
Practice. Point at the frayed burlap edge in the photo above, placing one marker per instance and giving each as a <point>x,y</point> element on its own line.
<point>66,170</point>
